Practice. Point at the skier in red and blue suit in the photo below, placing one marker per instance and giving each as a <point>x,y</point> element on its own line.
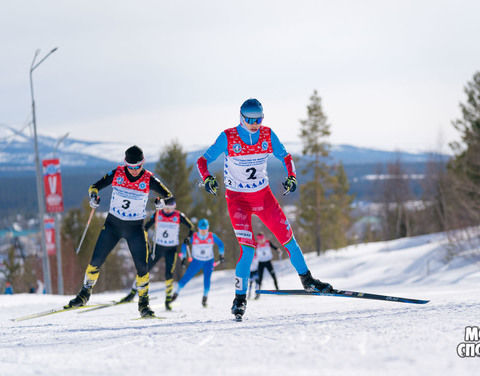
<point>247,148</point>
<point>202,258</point>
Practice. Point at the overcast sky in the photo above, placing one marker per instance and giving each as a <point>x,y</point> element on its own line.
<point>390,73</point>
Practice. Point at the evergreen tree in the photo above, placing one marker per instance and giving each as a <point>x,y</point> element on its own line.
<point>12,268</point>
<point>394,195</point>
<point>324,206</point>
<point>339,210</point>
<point>465,166</point>
<point>175,174</point>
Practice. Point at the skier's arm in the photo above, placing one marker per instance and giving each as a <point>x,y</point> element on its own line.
<point>278,249</point>
<point>159,187</point>
<point>212,153</point>
<point>219,243</point>
<point>105,181</point>
<point>150,222</point>
<point>187,222</point>
<point>281,153</point>
<point>274,247</point>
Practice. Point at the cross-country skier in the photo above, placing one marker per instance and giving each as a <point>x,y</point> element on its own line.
<point>202,258</point>
<point>131,185</point>
<point>264,254</point>
<point>247,148</point>
<point>253,278</point>
<point>167,240</point>
<point>8,288</point>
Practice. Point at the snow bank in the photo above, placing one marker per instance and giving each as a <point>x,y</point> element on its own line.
<point>280,336</point>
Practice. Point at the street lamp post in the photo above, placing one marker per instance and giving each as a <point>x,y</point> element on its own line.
<point>40,198</point>
<point>58,230</point>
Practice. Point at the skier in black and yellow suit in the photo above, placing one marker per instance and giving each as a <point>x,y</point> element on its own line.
<point>131,185</point>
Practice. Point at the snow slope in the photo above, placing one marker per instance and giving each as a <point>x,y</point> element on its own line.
<point>280,336</point>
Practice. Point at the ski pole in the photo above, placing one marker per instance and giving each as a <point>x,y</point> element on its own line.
<point>155,235</point>
<point>85,231</point>
<point>189,254</point>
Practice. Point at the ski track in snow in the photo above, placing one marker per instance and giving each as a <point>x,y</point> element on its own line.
<point>280,335</point>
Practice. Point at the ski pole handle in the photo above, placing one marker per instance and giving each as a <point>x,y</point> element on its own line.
<point>85,231</point>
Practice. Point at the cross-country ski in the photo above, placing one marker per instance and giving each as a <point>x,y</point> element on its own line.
<point>344,294</point>
<point>54,311</point>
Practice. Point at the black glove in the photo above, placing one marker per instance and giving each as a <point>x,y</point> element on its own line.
<point>94,200</point>
<point>211,185</point>
<point>184,262</point>
<point>290,185</point>
<point>186,241</point>
<point>221,258</point>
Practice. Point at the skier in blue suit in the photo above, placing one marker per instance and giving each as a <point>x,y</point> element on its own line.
<point>202,258</point>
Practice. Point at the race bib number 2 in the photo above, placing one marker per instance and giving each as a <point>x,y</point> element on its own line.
<point>238,283</point>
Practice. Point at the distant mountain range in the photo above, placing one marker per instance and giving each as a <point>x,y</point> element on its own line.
<point>17,156</point>
<point>84,162</point>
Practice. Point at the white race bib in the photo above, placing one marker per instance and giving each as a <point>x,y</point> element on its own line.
<point>264,253</point>
<point>167,234</point>
<point>128,204</point>
<point>202,252</point>
<point>246,173</point>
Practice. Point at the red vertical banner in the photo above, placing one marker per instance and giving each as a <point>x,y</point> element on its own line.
<point>52,182</point>
<point>49,224</point>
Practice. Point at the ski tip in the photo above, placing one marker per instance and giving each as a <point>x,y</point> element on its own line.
<point>422,301</point>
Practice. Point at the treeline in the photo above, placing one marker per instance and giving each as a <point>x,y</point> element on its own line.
<point>323,214</point>
<point>451,192</point>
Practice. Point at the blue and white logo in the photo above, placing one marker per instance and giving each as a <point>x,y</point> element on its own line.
<point>142,185</point>
<point>119,180</point>
<point>237,148</point>
<point>264,145</point>
<point>51,169</point>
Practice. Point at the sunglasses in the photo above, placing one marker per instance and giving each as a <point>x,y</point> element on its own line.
<point>257,120</point>
<point>135,167</point>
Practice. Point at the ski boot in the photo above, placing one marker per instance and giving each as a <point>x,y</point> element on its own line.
<point>311,284</point>
<point>275,282</point>
<point>81,299</point>
<point>144,308</point>
<point>129,297</point>
<point>257,296</point>
<point>204,302</point>
<point>239,306</point>
<point>174,296</point>
<point>168,302</point>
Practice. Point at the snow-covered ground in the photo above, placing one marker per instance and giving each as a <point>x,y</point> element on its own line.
<point>280,335</point>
